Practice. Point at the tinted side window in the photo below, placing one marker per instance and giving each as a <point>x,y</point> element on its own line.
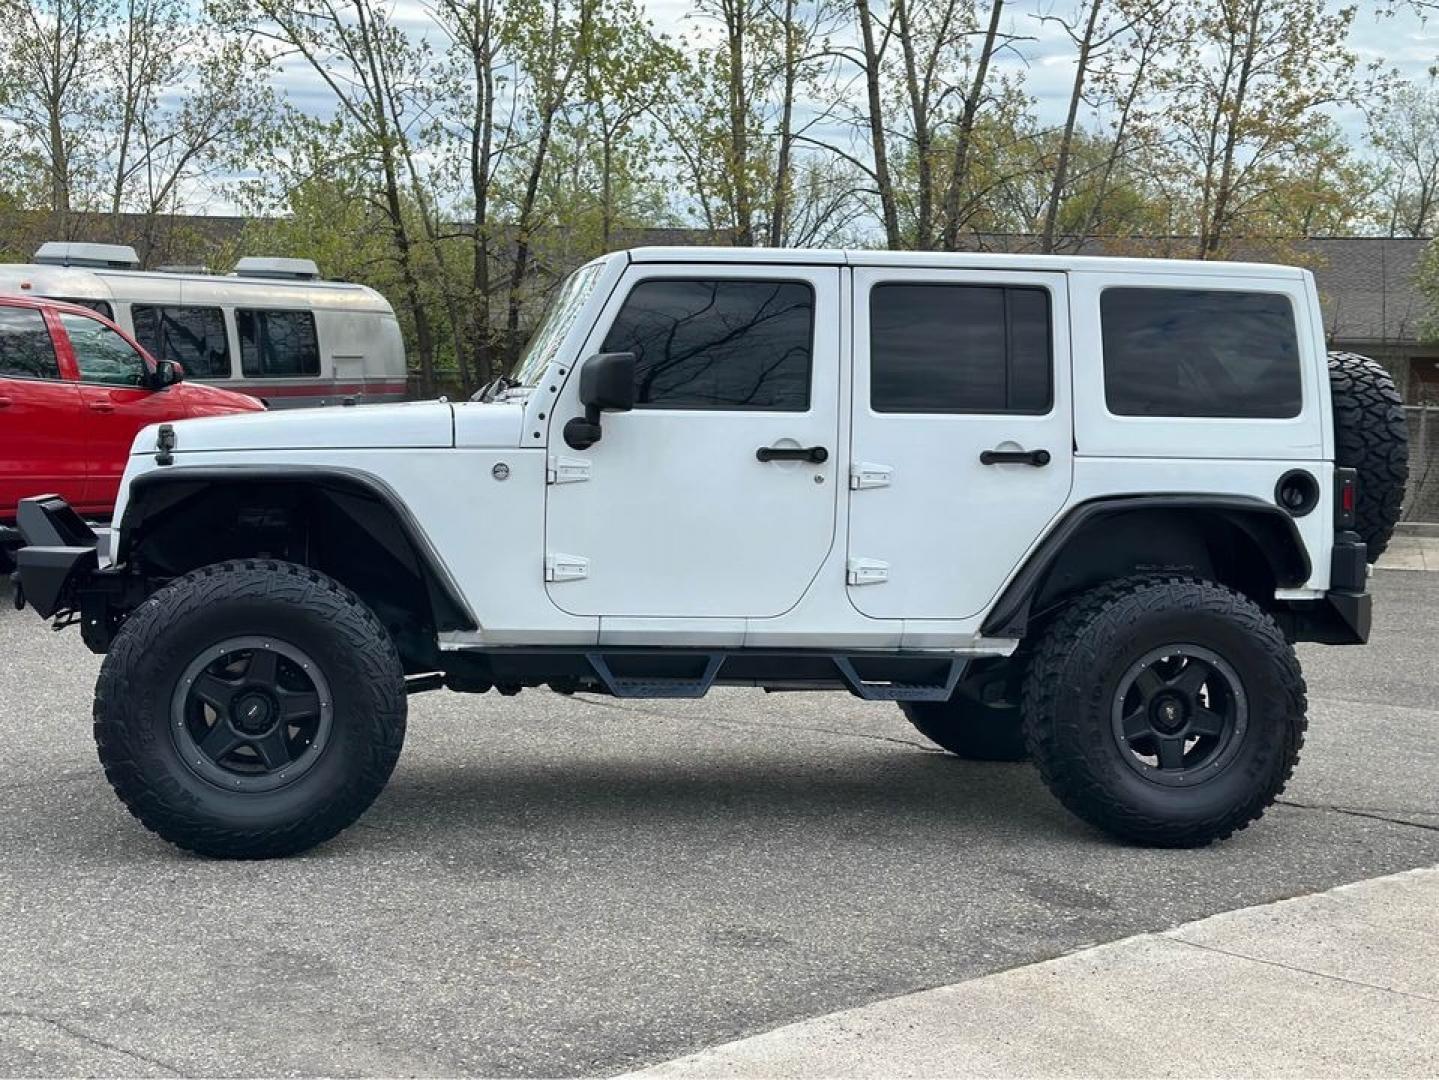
<point>1199,352</point>
<point>959,348</point>
<point>102,355</point>
<point>277,343</point>
<point>721,344</point>
<point>26,351</point>
<point>101,307</point>
<point>193,336</point>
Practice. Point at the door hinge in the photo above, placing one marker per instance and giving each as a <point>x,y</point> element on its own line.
<point>867,572</point>
<point>566,470</point>
<point>566,567</point>
<point>866,474</point>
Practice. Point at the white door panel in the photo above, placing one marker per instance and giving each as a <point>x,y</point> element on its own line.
<point>934,532</point>
<point>678,518</point>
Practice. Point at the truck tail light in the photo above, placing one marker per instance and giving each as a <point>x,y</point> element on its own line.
<point>1346,494</point>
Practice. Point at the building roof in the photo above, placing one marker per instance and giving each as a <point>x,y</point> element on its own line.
<point>1366,287</point>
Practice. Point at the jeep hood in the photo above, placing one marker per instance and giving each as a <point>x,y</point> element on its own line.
<point>415,424</point>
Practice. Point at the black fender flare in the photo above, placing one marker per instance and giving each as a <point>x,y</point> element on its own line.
<point>1270,527</point>
<point>155,492</point>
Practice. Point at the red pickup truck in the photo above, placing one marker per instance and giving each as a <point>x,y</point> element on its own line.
<point>74,391</point>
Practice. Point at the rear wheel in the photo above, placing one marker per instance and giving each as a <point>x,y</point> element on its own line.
<point>1165,710</point>
<point>250,710</point>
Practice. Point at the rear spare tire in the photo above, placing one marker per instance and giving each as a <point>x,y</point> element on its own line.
<point>1372,438</point>
<point>250,710</point>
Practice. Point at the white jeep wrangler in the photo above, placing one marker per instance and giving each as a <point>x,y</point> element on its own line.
<point>1074,509</point>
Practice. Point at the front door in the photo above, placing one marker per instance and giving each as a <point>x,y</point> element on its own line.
<point>962,436</point>
<point>716,495</point>
<point>116,400</point>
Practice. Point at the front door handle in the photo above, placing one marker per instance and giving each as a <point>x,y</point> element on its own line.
<point>1037,458</point>
<point>5,403</point>
<point>102,406</point>
<point>818,455</point>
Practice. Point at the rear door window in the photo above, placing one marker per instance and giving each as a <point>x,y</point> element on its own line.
<point>26,350</point>
<point>194,337</point>
<point>947,348</point>
<point>277,344</point>
<point>1200,353</point>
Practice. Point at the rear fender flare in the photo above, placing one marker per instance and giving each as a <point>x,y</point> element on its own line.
<point>1270,528</point>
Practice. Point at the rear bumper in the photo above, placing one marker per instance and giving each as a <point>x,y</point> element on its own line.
<point>58,555</point>
<point>1344,615</point>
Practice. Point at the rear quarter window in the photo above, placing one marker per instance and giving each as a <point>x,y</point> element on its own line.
<point>1200,353</point>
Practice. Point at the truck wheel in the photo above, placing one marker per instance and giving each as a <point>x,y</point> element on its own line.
<point>250,710</point>
<point>1371,436</point>
<point>1165,710</point>
<point>981,721</point>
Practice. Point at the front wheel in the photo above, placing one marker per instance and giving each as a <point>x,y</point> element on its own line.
<point>250,710</point>
<point>1165,710</point>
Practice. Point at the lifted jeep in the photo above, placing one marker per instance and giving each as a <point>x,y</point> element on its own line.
<point>1070,509</point>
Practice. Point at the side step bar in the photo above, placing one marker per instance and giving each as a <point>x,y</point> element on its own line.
<point>683,674</point>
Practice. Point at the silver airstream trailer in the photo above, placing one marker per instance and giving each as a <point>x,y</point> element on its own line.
<point>272,328</point>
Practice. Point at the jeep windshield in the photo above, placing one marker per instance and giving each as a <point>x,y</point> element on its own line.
<point>573,293</point>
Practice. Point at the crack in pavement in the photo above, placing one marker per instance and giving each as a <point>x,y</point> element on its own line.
<point>1173,935</point>
<point>1372,815</point>
<point>93,1040</point>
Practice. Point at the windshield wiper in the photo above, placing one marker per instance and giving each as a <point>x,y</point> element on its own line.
<point>493,389</point>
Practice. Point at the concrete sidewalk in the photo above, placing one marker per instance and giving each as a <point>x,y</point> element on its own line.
<point>1409,551</point>
<point>1339,983</point>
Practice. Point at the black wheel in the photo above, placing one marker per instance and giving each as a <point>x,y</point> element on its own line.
<point>981,721</point>
<point>1371,436</point>
<point>1165,710</point>
<point>250,710</point>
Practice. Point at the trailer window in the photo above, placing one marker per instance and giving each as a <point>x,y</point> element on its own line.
<point>193,337</point>
<point>277,344</point>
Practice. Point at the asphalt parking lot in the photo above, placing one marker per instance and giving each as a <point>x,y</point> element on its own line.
<point>558,886</point>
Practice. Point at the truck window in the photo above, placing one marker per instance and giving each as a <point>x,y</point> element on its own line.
<point>277,344</point>
<point>194,337</point>
<point>101,354</point>
<point>1200,352</point>
<point>26,351</point>
<point>718,344</point>
<point>100,307</point>
<point>942,348</point>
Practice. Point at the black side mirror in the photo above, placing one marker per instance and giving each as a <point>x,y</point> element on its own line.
<point>166,373</point>
<point>607,384</point>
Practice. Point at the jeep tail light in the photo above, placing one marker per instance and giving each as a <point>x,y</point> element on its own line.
<point>1346,484</point>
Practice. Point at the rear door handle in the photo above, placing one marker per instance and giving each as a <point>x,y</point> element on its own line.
<point>102,406</point>
<point>1037,458</point>
<point>815,454</point>
<point>5,402</point>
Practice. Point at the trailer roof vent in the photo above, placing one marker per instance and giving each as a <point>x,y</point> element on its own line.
<point>99,256</point>
<point>282,269</point>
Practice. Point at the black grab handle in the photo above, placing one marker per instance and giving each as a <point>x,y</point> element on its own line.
<point>1037,458</point>
<point>816,454</point>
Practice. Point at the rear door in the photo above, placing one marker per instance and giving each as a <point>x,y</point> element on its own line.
<point>116,401</point>
<point>42,442</point>
<point>962,441</point>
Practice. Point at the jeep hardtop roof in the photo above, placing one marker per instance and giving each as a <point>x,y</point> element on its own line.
<point>961,260</point>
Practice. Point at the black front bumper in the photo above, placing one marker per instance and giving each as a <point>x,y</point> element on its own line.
<point>58,557</point>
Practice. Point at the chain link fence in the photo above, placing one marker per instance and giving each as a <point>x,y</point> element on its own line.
<point>1421,500</point>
